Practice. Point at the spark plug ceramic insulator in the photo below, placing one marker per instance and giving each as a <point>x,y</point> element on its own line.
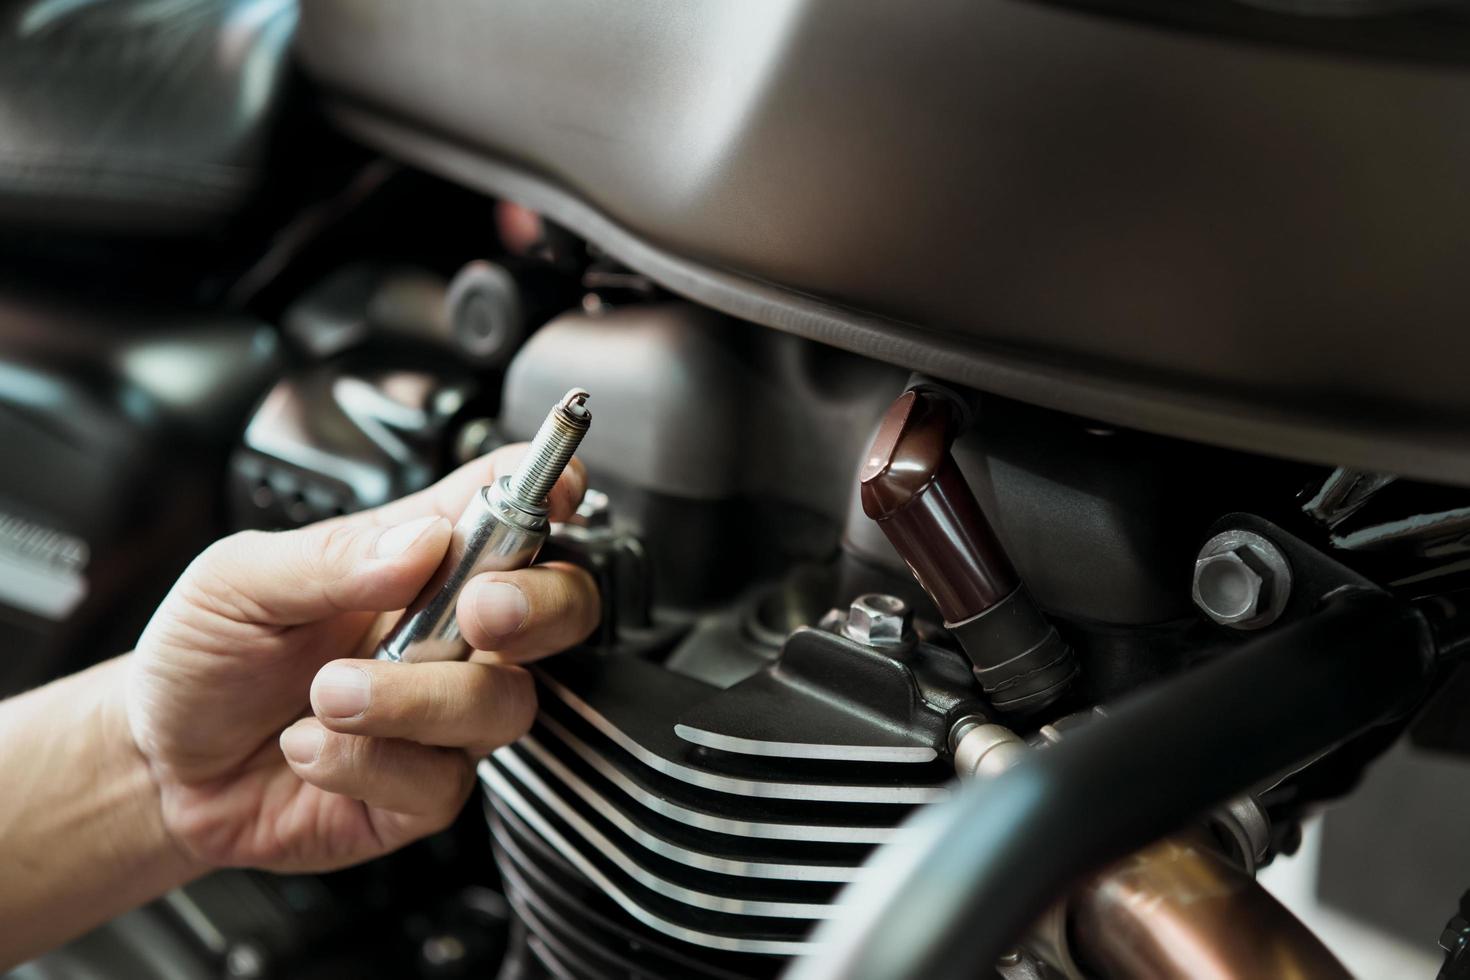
<point>911,485</point>
<point>503,528</point>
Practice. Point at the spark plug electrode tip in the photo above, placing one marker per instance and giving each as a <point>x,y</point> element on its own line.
<point>574,403</point>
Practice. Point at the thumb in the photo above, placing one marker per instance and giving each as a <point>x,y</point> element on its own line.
<point>285,578</point>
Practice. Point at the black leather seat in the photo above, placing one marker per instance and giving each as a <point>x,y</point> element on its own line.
<point>136,116</point>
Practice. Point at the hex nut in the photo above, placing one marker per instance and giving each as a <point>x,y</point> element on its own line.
<point>1241,580</point>
<point>878,620</point>
<point>595,511</point>
<point>1227,588</point>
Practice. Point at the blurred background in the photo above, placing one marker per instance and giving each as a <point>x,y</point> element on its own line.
<point>224,305</point>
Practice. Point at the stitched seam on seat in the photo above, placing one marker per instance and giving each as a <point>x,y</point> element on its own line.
<point>178,189</point>
<point>42,169</point>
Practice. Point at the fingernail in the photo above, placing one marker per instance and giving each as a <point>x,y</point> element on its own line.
<point>396,540</point>
<point>302,743</point>
<point>500,608</point>
<point>341,691</point>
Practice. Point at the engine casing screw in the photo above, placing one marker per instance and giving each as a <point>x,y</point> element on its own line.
<point>878,620</point>
<point>1241,580</point>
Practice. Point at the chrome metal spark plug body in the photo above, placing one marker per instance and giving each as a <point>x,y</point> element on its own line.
<point>503,528</point>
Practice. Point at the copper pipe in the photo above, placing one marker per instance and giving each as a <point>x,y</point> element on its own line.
<point>1176,910</point>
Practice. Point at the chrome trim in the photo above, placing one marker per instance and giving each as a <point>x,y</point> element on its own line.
<point>806,750</point>
<point>673,852</point>
<point>575,857</point>
<point>707,821</point>
<point>727,904</point>
<point>839,793</point>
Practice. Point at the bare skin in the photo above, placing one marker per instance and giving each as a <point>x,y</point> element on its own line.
<point>246,730</point>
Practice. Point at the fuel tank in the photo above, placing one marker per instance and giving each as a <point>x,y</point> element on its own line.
<point>1249,230</point>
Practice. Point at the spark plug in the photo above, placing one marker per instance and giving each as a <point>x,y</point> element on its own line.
<point>503,528</point>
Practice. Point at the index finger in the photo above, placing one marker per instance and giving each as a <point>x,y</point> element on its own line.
<point>449,497</point>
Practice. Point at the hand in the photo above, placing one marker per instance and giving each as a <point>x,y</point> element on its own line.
<point>250,770</point>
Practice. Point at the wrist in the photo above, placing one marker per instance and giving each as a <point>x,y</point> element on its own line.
<point>140,835</point>
<point>84,838</point>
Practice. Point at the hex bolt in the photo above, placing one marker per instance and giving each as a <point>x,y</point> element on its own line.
<point>878,620</point>
<point>595,511</point>
<point>246,961</point>
<point>1241,580</point>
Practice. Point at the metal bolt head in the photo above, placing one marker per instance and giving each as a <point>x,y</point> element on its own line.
<point>1241,580</point>
<point>595,511</point>
<point>246,961</point>
<point>878,620</point>
<point>592,520</point>
<point>1227,588</point>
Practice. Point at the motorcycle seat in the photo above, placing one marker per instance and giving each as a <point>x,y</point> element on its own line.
<point>136,117</point>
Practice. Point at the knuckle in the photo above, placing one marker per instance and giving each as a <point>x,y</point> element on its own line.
<point>412,699</point>
<point>440,701</point>
<point>515,700</point>
<point>335,546</point>
<point>219,579</point>
<point>229,548</point>
<point>225,557</point>
<point>564,589</point>
<point>389,700</point>
<point>581,600</point>
<point>366,756</point>
<point>490,696</point>
<point>578,583</point>
<point>324,557</point>
<point>506,708</point>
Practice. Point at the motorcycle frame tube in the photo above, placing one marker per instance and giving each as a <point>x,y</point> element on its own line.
<point>952,896</point>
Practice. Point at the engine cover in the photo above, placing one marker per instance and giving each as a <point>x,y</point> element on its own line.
<point>649,810</point>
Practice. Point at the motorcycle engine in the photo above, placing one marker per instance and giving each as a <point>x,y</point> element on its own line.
<point>705,778</point>
<point>771,695</point>
<point>780,679</point>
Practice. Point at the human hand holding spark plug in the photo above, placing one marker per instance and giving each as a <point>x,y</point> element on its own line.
<point>219,684</point>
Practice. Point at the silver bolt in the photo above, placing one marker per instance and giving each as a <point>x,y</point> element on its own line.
<point>595,511</point>
<point>878,620</point>
<point>592,521</point>
<point>1241,580</point>
<point>245,960</point>
<point>551,449</point>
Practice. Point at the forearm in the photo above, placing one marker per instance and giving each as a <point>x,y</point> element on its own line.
<point>81,835</point>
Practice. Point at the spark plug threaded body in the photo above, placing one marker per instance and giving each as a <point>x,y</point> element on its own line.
<point>551,449</point>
